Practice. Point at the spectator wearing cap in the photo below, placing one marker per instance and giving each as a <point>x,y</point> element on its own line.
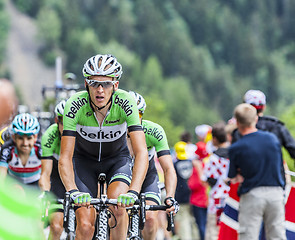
<point>268,123</point>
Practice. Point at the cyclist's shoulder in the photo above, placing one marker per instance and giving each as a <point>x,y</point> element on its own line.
<point>151,124</point>
<point>124,103</point>
<point>123,97</point>
<point>80,98</point>
<point>52,128</point>
<point>50,135</point>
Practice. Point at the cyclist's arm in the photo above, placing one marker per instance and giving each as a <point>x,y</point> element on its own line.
<point>141,162</point>
<point>46,169</point>
<point>65,164</point>
<point>169,174</point>
<point>3,173</point>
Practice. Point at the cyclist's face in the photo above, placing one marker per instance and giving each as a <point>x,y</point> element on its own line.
<point>24,143</point>
<point>101,94</point>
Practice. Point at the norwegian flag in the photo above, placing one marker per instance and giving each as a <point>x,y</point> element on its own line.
<point>229,219</point>
<point>290,213</point>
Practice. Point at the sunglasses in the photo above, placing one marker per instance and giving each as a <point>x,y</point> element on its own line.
<point>96,84</point>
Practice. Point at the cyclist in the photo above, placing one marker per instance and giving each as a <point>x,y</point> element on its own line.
<point>156,142</point>
<point>50,179</point>
<point>20,156</point>
<point>94,141</point>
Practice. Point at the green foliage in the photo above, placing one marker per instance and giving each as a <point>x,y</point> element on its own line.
<point>49,27</point>
<point>199,57</point>
<point>288,117</point>
<point>156,111</point>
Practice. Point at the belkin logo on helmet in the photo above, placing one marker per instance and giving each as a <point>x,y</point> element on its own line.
<point>124,105</point>
<point>76,105</point>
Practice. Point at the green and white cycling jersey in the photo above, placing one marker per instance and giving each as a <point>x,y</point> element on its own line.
<point>96,142</point>
<point>155,138</point>
<point>50,143</point>
<point>156,141</point>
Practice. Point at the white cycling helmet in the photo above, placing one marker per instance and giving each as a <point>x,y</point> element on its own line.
<point>59,108</point>
<point>141,105</point>
<point>255,98</point>
<point>103,65</point>
<point>25,124</point>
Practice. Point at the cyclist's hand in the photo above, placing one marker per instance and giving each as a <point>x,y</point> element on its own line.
<point>44,195</point>
<point>172,203</point>
<point>80,198</point>
<point>127,199</point>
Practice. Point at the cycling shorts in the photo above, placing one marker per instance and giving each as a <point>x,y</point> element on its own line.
<point>150,186</point>
<point>57,187</point>
<point>87,171</point>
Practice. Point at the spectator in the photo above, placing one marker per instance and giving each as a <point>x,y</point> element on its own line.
<point>268,123</point>
<point>215,172</point>
<point>257,157</point>
<point>198,198</point>
<point>184,224</point>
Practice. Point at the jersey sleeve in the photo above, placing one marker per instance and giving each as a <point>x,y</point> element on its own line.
<point>47,144</point>
<point>162,147</point>
<point>159,140</point>
<point>71,116</point>
<point>129,109</point>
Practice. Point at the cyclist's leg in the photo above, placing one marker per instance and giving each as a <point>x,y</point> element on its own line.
<point>86,181</point>
<point>151,225</point>
<point>120,231</point>
<point>152,193</point>
<point>85,218</point>
<point>56,225</point>
<point>119,178</point>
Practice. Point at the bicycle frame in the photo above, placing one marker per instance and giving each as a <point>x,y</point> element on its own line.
<point>102,207</point>
<point>69,218</point>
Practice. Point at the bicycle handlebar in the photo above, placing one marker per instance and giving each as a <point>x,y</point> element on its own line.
<point>103,200</point>
<point>141,204</point>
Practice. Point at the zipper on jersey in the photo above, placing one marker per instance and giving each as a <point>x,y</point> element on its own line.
<point>100,126</point>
